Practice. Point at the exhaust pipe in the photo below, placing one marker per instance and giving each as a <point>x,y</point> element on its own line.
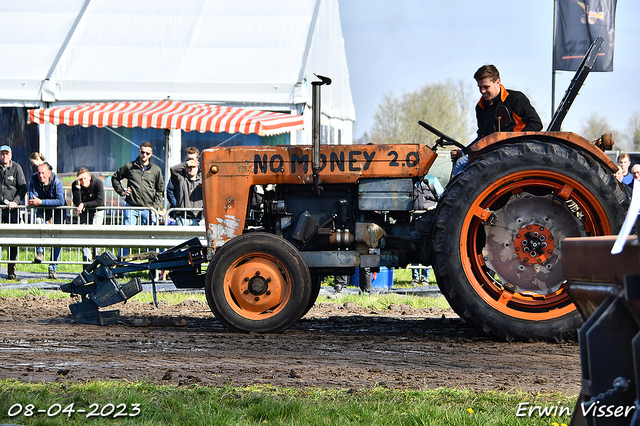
<point>316,129</point>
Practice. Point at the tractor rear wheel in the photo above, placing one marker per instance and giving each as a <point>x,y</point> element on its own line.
<point>258,282</point>
<point>498,235</point>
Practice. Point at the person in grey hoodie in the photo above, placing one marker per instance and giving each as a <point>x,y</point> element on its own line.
<point>186,182</point>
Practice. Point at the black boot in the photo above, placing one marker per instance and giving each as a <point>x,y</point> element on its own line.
<point>11,269</point>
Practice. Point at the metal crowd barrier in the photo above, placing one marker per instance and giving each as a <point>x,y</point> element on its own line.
<point>74,237</point>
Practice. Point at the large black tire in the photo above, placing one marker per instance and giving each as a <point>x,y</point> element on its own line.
<point>492,223</point>
<point>258,282</point>
<point>316,285</point>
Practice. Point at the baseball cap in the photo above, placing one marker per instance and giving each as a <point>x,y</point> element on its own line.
<point>5,148</point>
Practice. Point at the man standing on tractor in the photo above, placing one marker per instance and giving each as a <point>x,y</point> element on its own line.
<point>499,110</point>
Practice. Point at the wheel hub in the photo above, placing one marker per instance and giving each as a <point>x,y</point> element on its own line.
<point>534,243</point>
<point>522,227</point>
<point>257,285</point>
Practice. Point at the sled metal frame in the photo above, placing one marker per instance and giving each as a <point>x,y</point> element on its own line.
<point>98,287</point>
<point>606,291</point>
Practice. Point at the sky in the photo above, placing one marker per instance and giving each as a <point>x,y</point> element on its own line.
<point>398,46</point>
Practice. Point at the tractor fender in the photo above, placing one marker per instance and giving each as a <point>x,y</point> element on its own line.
<point>569,139</point>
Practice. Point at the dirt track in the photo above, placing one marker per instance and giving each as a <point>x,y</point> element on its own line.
<point>333,346</point>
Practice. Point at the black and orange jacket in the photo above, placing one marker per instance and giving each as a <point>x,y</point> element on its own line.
<point>523,116</point>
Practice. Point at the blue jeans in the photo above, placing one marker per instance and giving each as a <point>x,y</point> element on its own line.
<point>55,251</point>
<point>419,274</point>
<point>183,221</point>
<point>131,217</point>
<point>460,164</point>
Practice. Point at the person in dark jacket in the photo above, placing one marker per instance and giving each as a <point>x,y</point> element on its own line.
<point>499,110</point>
<point>45,190</point>
<point>88,193</point>
<point>145,186</point>
<point>13,187</point>
<point>186,184</point>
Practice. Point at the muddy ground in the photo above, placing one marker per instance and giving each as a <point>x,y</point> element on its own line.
<point>332,346</point>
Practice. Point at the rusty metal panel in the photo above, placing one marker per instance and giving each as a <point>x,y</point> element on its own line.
<point>590,260</point>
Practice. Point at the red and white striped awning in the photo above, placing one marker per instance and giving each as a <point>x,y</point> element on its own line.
<point>170,115</point>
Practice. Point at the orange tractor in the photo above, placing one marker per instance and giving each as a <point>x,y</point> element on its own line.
<point>280,218</point>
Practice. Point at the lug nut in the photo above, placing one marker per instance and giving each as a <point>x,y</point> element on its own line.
<point>257,298</point>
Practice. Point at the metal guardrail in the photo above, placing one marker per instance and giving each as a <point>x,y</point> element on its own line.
<point>66,214</point>
<point>80,242</point>
<point>157,236</point>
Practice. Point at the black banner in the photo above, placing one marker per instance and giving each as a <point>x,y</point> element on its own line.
<point>579,23</point>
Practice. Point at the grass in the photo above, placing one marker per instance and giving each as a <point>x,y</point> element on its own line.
<point>378,302</point>
<point>265,405</point>
<point>382,301</point>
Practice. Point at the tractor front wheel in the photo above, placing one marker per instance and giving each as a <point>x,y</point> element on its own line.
<point>258,282</point>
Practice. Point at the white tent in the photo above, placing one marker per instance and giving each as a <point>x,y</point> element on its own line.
<point>259,54</point>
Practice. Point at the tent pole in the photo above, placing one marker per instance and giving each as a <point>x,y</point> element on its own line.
<point>167,151</point>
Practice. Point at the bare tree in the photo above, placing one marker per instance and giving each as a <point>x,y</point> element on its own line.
<point>388,122</point>
<point>633,131</point>
<point>596,126</point>
<point>446,106</point>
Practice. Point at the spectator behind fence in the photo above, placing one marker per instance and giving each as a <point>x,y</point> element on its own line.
<point>88,193</point>
<point>145,186</point>
<point>186,188</point>
<point>36,159</point>
<point>45,190</point>
<point>13,188</point>
<point>624,161</point>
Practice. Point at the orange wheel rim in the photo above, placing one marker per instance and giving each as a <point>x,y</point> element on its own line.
<point>257,286</point>
<point>524,305</point>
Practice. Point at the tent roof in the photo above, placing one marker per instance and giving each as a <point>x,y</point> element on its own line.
<point>242,52</point>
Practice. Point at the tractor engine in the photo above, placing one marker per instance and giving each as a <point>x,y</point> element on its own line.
<point>373,217</point>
